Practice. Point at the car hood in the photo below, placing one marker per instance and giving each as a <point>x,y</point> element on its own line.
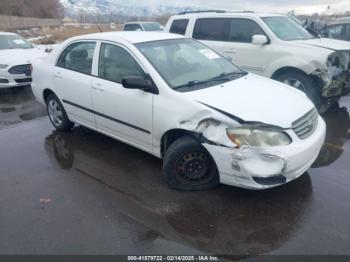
<point>20,56</point>
<point>256,99</point>
<point>331,44</point>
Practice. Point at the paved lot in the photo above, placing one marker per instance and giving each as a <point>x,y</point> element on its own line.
<point>18,105</point>
<point>84,193</point>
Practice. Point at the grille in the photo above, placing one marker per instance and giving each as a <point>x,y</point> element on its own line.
<point>306,125</point>
<point>20,70</point>
<point>269,181</point>
<point>24,80</point>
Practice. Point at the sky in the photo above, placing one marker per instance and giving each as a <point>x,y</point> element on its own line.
<point>282,6</point>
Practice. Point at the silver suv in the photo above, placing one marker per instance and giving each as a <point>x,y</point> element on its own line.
<point>275,46</point>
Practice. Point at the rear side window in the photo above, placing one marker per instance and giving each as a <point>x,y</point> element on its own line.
<point>242,30</point>
<point>226,29</point>
<point>132,27</point>
<point>78,57</point>
<point>216,29</point>
<point>179,26</point>
<point>115,63</point>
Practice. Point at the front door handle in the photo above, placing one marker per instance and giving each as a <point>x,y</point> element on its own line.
<point>231,51</point>
<point>98,87</point>
<point>58,75</point>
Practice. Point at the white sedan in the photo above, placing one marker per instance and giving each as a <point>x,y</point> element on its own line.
<point>16,55</point>
<point>179,100</point>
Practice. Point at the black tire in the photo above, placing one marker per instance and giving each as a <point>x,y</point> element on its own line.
<point>309,86</point>
<point>188,166</point>
<point>64,124</point>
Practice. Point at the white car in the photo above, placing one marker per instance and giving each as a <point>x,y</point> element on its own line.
<point>143,26</point>
<point>274,46</point>
<point>179,100</point>
<point>16,55</point>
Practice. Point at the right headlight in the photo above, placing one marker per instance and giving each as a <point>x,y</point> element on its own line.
<point>258,137</point>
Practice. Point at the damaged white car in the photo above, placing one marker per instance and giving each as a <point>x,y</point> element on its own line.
<point>179,100</point>
<point>275,46</point>
<point>16,55</point>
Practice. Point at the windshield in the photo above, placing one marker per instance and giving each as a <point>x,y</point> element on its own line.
<point>13,42</point>
<point>187,65</point>
<point>286,28</point>
<point>152,27</point>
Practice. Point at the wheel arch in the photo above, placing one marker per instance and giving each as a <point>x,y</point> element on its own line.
<point>303,64</point>
<point>46,94</point>
<point>172,135</point>
<point>287,69</point>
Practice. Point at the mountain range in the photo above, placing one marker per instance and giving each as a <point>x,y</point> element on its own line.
<point>106,9</point>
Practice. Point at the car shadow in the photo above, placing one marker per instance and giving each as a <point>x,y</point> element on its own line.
<point>338,126</point>
<point>225,221</point>
<point>17,105</point>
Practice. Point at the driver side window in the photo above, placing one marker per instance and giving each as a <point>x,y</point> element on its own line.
<point>243,30</point>
<point>335,31</point>
<point>115,63</point>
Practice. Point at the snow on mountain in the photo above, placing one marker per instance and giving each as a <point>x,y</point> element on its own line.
<point>120,8</point>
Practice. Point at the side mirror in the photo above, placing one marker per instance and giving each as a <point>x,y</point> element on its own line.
<point>134,82</point>
<point>259,40</point>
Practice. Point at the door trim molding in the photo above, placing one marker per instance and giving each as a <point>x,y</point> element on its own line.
<point>107,117</point>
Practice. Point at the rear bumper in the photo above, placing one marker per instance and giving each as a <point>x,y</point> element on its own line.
<point>270,167</point>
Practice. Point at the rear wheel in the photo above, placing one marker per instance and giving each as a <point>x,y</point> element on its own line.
<point>57,114</point>
<point>303,83</point>
<point>189,166</point>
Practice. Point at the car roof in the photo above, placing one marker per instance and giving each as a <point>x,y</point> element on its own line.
<point>131,36</point>
<point>7,33</point>
<point>243,14</point>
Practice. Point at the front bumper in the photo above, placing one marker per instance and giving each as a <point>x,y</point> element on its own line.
<point>337,87</point>
<point>269,167</point>
<point>8,80</point>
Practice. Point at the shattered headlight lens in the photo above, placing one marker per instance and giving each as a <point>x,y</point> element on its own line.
<point>3,66</point>
<point>258,137</point>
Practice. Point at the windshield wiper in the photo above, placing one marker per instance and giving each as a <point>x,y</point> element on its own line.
<point>225,76</point>
<point>219,78</point>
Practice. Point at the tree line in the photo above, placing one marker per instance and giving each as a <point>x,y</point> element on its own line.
<point>32,8</point>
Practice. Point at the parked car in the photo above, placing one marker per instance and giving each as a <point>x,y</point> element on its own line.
<point>315,27</point>
<point>275,46</point>
<point>181,101</point>
<point>143,26</point>
<point>339,30</point>
<point>16,55</point>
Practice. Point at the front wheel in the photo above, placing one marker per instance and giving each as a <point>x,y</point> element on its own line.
<point>303,83</point>
<point>188,166</point>
<point>57,114</point>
